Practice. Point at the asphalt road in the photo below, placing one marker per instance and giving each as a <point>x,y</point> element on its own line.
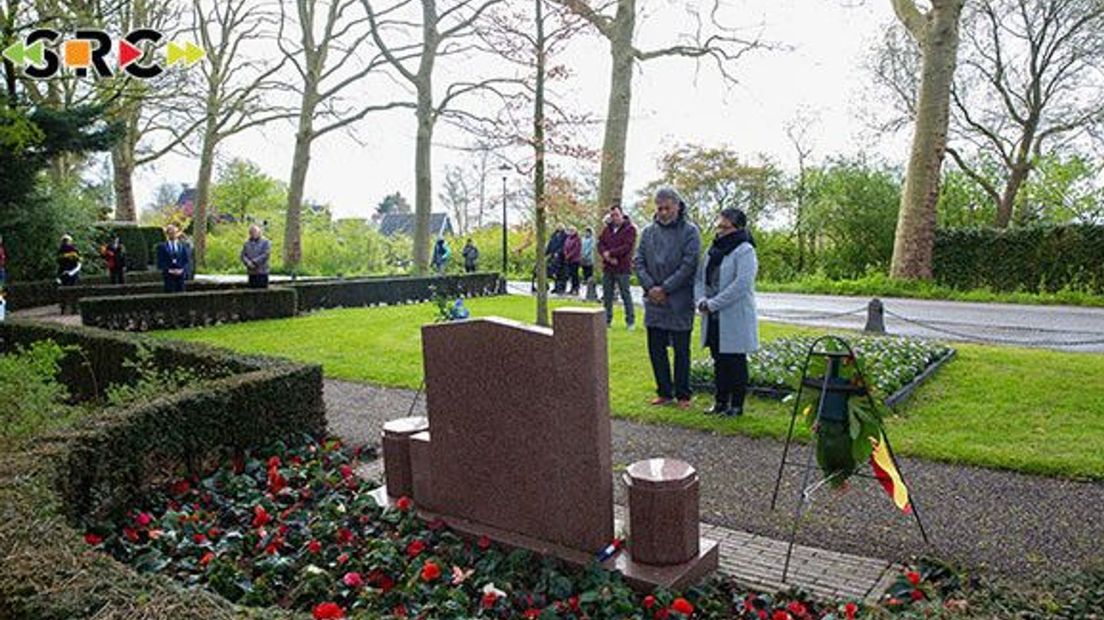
<point>1065,328</point>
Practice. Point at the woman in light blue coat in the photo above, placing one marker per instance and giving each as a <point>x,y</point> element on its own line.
<point>725,290</point>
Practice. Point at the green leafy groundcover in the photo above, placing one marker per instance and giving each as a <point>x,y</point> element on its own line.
<point>888,362</point>
<point>297,528</point>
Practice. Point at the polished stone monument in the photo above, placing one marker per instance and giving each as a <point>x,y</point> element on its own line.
<point>518,447</point>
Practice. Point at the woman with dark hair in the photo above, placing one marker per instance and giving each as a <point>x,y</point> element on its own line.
<point>725,290</point>
<point>68,262</point>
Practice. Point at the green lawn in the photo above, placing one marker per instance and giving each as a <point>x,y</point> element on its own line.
<point>1022,409</point>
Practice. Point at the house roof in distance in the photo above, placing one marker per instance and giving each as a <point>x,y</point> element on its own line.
<point>403,224</point>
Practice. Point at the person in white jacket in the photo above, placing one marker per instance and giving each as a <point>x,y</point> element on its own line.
<point>725,290</point>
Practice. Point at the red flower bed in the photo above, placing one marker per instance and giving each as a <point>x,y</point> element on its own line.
<point>297,529</point>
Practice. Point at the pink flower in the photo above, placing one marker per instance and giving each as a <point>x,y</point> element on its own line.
<point>314,546</point>
<point>198,538</point>
<point>344,535</point>
<point>797,608</point>
<point>206,559</point>
<point>489,600</point>
<point>849,611</point>
<point>404,503</point>
<point>780,615</point>
<point>143,519</point>
<point>180,487</point>
<point>484,543</point>
<point>346,471</point>
<point>649,601</point>
<point>917,595</point>
<point>353,580</point>
<point>913,577</point>
<point>93,539</point>
<point>260,516</point>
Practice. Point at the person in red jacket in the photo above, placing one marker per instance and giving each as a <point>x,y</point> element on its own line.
<point>573,255</point>
<point>615,246</point>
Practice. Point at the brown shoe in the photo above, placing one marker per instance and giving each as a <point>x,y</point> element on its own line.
<point>659,401</point>
<point>684,404</point>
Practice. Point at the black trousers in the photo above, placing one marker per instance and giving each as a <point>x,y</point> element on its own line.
<point>730,378</point>
<point>174,284</point>
<point>258,280</point>
<point>588,273</point>
<point>667,386</point>
<point>118,276</point>
<point>570,273</point>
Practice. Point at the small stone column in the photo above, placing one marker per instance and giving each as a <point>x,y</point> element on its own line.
<point>663,511</point>
<point>396,453</point>
<point>875,317</point>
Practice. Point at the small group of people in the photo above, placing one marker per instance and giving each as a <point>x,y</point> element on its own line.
<point>442,255</point>
<point>566,255</point>
<point>677,285</point>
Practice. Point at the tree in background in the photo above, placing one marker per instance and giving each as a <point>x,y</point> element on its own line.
<point>458,195</point>
<point>392,203</point>
<point>325,50</point>
<point>245,191</point>
<point>715,178</point>
<point>936,34</point>
<point>235,90</point>
<point>1027,87</point>
<point>723,46</point>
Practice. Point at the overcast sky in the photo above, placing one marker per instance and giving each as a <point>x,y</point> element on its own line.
<point>820,75</point>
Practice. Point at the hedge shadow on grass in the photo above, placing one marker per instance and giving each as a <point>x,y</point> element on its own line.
<point>104,461</point>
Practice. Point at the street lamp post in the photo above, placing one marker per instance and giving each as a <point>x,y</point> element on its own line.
<point>504,168</point>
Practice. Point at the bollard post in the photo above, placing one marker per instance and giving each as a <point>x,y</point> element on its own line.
<point>592,290</point>
<point>875,317</point>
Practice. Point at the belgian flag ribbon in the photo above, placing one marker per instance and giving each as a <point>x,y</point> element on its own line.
<point>885,470</point>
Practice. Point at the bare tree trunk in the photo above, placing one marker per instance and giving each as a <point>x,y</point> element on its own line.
<point>423,174</point>
<point>203,194</point>
<point>612,181</point>
<point>538,172</point>
<point>300,164</point>
<point>937,35</point>
<point>122,164</point>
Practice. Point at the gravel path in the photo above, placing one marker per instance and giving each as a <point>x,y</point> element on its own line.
<point>1016,525</point>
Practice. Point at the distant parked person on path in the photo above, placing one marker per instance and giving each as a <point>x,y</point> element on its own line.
<point>114,255</point>
<point>666,263</point>
<point>587,259</point>
<point>441,256</point>
<point>573,256</point>
<point>254,255</point>
<point>471,257</point>
<point>615,246</point>
<point>172,260</point>
<point>68,262</point>
<point>725,294</point>
<point>3,264</point>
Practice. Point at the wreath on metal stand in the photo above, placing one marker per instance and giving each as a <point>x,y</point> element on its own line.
<point>846,425</point>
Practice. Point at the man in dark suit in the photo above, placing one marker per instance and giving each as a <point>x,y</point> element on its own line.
<point>172,260</point>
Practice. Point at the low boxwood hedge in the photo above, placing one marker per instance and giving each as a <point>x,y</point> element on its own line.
<point>317,295</point>
<point>107,459</point>
<point>70,296</point>
<point>35,293</point>
<point>177,310</point>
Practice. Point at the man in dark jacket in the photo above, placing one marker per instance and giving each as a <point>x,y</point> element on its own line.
<point>254,255</point>
<point>553,256</point>
<point>666,263</point>
<point>471,257</point>
<point>615,246</point>
<point>172,260</point>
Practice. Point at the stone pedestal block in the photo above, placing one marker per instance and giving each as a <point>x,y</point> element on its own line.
<point>663,511</point>
<point>396,453</point>
<point>420,469</point>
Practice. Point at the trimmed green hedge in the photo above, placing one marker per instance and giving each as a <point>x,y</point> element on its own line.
<point>70,296</point>
<point>35,293</point>
<point>316,295</point>
<point>176,310</point>
<point>105,460</point>
<point>1033,259</point>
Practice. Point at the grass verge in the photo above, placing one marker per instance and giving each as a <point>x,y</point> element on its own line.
<point>1027,410</point>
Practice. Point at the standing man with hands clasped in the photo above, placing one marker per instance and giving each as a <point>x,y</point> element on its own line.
<point>615,247</point>
<point>172,260</point>
<point>666,263</point>
<point>254,255</point>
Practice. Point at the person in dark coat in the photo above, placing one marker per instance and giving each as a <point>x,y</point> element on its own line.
<point>471,256</point>
<point>3,264</point>
<point>172,260</point>
<point>114,255</point>
<point>441,256</point>
<point>666,263</point>
<point>553,256</point>
<point>725,290</point>
<point>68,262</point>
<point>615,247</point>
<point>572,257</point>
